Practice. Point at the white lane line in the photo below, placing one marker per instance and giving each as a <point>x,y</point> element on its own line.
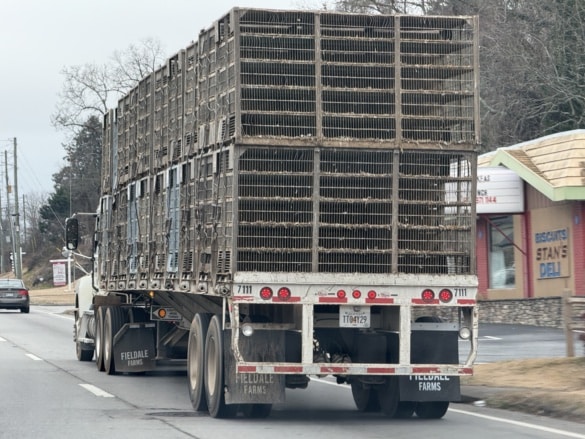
<point>34,357</point>
<point>62,316</point>
<point>493,418</point>
<point>96,391</point>
<point>489,337</point>
<point>521,424</point>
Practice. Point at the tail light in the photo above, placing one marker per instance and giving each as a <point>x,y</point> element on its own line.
<point>372,294</point>
<point>284,293</point>
<point>341,294</point>
<point>23,293</point>
<point>356,294</point>
<point>445,295</point>
<point>428,295</point>
<point>266,293</point>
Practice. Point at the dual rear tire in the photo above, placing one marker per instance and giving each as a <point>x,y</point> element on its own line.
<point>206,371</point>
<point>386,398</point>
<point>108,321</point>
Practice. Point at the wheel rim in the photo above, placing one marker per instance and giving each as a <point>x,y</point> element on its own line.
<point>194,362</point>
<point>212,366</point>
<point>99,352</point>
<point>107,342</point>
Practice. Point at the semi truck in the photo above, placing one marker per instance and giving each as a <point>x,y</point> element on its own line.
<point>292,197</point>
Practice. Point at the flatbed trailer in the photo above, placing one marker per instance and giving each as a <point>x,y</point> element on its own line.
<point>293,194</point>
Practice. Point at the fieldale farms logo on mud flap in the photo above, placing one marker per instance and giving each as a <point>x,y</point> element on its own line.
<point>134,348</point>
<point>429,383</point>
<point>254,384</point>
<point>134,358</point>
<point>429,388</point>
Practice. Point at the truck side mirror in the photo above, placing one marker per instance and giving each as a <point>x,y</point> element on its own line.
<point>71,233</point>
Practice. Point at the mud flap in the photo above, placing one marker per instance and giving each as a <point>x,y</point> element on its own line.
<point>430,388</point>
<point>432,343</point>
<point>134,348</point>
<point>255,388</point>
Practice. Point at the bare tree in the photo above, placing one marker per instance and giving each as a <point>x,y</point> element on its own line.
<point>134,63</point>
<point>33,237</point>
<point>531,59</point>
<point>389,6</point>
<point>90,89</point>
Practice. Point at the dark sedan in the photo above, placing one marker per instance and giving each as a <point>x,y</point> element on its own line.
<point>14,295</point>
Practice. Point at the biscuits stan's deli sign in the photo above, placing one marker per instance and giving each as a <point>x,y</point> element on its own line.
<point>551,253</point>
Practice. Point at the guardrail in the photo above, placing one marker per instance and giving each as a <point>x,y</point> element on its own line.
<point>574,321</point>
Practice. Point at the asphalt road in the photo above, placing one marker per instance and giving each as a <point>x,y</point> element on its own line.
<point>515,342</point>
<point>46,393</point>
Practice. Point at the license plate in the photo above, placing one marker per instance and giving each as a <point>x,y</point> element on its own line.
<point>354,316</point>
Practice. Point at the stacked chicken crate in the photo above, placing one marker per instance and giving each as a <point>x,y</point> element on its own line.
<point>303,141</point>
<point>354,138</point>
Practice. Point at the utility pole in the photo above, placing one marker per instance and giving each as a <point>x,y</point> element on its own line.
<point>8,214</point>
<point>18,251</point>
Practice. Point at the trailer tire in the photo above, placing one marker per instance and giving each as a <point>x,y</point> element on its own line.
<point>431,409</point>
<point>99,339</point>
<point>214,372</point>
<point>196,361</point>
<point>389,396</point>
<point>405,409</point>
<point>114,319</point>
<point>256,411</point>
<point>365,398</point>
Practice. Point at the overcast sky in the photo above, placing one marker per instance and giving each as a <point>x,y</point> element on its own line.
<point>40,37</point>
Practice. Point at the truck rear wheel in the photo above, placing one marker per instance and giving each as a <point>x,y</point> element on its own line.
<point>405,409</point>
<point>432,409</point>
<point>214,372</point>
<point>99,338</point>
<point>195,361</point>
<point>114,319</point>
<point>389,396</point>
<point>365,398</point>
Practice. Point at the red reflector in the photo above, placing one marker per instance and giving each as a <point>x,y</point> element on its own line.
<point>428,295</point>
<point>341,294</point>
<point>284,293</point>
<point>356,294</point>
<point>445,295</point>
<point>266,293</point>
<point>372,294</point>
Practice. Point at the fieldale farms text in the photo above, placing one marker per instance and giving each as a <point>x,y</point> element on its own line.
<point>254,384</point>
<point>429,383</point>
<point>134,358</point>
<point>552,253</point>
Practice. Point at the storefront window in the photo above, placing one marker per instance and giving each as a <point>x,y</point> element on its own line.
<point>501,252</point>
